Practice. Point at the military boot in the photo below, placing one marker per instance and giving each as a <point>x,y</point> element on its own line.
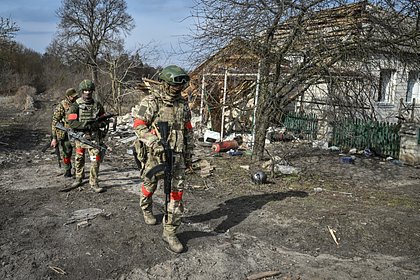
<point>77,182</point>
<point>68,173</point>
<point>148,217</point>
<point>173,242</point>
<point>96,188</point>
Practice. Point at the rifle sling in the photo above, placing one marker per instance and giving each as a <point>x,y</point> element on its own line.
<point>156,169</point>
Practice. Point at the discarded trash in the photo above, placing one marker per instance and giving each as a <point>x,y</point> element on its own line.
<point>224,146</point>
<point>397,162</point>
<point>347,160</point>
<point>235,153</point>
<point>206,168</point>
<point>318,190</point>
<point>82,224</point>
<point>263,275</point>
<point>259,177</point>
<point>353,151</point>
<point>84,215</point>
<point>367,152</point>
<point>286,169</point>
<point>333,148</point>
<point>320,144</point>
<point>333,232</point>
<point>211,136</point>
<point>57,269</point>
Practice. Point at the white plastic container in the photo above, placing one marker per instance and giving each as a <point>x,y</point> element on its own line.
<point>211,136</point>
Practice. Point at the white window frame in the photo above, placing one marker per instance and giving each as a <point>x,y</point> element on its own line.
<point>387,86</point>
<point>413,87</point>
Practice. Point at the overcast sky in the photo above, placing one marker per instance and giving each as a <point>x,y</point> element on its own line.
<point>158,22</point>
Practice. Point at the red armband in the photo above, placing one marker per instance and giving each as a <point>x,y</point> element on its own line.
<point>72,117</point>
<point>138,122</point>
<point>188,125</point>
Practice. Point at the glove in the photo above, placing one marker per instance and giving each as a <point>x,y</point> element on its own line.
<point>92,126</point>
<point>102,124</point>
<point>157,149</point>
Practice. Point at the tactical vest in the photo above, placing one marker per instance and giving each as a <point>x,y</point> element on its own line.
<point>87,111</point>
<point>176,118</point>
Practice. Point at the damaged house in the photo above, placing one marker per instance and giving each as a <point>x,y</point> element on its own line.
<point>355,61</point>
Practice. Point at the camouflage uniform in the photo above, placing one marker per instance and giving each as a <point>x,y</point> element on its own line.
<point>161,106</point>
<point>59,116</point>
<point>81,117</point>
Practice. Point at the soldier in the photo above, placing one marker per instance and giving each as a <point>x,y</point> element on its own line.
<point>82,116</point>
<point>165,104</point>
<point>60,137</point>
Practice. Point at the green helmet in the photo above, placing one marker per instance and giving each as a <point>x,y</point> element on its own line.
<point>71,92</point>
<point>86,85</point>
<point>174,75</point>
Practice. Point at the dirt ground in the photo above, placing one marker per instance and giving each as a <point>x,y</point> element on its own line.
<point>232,228</point>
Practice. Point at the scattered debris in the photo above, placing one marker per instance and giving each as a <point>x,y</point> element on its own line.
<point>259,177</point>
<point>211,136</point>
<point>82,224</point>
<point>84,215</point>
<point>265,274</point>
<point>367,152</point>
<point>232,152</point>
<point>286,169</point>
<point>205,168</point>
<point>318,190</point>
<point>57,270</point>
<point>353,151</point>
<point>225,146</point>
<point>348,159</point>
<point>333,232</point>
<point>321,144</point>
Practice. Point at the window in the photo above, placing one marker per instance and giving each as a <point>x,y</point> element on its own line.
<point>413,87</point>
<point>386,85</point>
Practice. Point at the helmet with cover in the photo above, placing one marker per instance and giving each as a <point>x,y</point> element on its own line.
<point>174,75</point>
<point>86,85</point>
<point>259,177</point>
<point>71,92</point>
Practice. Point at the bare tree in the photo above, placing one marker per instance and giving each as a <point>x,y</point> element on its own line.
<point>299,46</point>
<point>89,28</point>
<point>8,28</point>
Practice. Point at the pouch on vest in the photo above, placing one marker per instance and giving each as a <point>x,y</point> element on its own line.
<point>140,154</point>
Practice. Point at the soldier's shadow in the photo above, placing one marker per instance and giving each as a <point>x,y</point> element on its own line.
<point>236,210</point>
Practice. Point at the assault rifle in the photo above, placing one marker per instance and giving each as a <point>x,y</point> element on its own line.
<point>106,117</point>
<point>167,166</point>
<point>80,136</point>
<point>57,151</point>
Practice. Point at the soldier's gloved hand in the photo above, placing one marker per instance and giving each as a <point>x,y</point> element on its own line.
<point>157,149</point>
<point>92,126</point>
<point>102,124</point>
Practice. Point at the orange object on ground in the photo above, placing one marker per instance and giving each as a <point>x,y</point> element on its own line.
<point>224,146</point>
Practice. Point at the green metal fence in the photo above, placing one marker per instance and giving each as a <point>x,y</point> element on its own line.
<point>300,123</point>
<point>381,137</point>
